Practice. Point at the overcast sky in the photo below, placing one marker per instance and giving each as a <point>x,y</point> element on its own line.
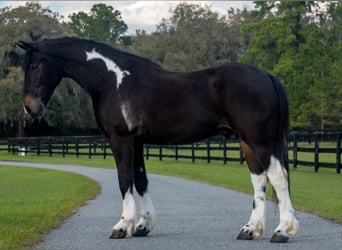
<point>144,15</point>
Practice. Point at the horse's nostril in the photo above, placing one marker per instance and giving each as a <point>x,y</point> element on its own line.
<point>36,112</point>
<point>27,110</point>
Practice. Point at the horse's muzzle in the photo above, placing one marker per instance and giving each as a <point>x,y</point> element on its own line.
<point>33,106</point>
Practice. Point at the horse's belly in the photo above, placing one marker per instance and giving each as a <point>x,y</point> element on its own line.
<point>180,132</point>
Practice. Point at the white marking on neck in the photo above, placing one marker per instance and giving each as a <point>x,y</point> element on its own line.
<point>110,65</point>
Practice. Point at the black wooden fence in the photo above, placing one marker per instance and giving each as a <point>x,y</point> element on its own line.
<point>305,148</point>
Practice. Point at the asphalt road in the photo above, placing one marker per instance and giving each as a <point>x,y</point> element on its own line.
<point>190,215</point>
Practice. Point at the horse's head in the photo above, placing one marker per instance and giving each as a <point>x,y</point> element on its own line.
<point>42,75</point>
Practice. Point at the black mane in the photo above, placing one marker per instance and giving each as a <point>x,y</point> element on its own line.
<point>107,49</point>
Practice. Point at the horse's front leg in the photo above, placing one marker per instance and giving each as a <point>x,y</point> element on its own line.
<point>123,153</point>
<point>147,214</point>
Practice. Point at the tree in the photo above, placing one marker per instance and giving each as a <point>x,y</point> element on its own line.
<point>294,41</point>
<point>102,23</point>
<point>11,115</point>
<point>31,22</point>
<point>318,63</point>
<point>193,38</point>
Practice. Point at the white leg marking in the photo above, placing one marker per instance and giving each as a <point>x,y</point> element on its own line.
<point>256,223</point>
<point>128,218</point>
<point>278,177</point>
<point>110,65</point>
<point>147,214</point>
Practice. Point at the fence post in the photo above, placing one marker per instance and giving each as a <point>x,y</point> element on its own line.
<point>26,148</point>
<point>224,150</point>
<point>104,148</point>
<point>176,152</point>
<point>89,151</point>
<point>208,151</point>
<point>38,147</point>
<point>63,147</point>
<point>316,162</point>
<point>147,148</point>
<point>295,150</point>
<point>338,153</point>
<point>12,144</point>
<point>77,149</point>
<point>50,146</point>
<point>193,153</point>
<point>160,152</point>
<point>241,156</point>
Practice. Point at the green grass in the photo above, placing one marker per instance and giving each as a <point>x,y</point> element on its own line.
<point>35,200</point>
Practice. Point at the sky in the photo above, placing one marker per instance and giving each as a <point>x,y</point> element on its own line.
<point>143,15</point>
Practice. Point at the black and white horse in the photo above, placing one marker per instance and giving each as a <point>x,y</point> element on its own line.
<point>135,101</point>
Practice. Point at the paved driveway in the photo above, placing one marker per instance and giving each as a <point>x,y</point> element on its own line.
<point>190,215</point>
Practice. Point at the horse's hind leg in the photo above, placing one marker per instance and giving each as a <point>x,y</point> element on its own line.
<point>288,225</point>
<point>264,166</point>
<point>147,214</point>
<point>256,224</point>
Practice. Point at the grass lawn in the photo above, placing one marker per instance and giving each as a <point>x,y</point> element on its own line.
<point>35,200</point>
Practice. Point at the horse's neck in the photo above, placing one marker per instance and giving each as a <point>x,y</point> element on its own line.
<point>80,70</point>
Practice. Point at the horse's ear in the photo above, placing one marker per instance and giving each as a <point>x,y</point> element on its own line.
<point>26,45</point>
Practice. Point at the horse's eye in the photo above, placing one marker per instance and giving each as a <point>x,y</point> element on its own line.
<point>34,65</point>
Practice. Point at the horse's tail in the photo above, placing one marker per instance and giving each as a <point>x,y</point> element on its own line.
<point>281,138</point>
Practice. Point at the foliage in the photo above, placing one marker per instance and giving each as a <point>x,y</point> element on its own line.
<point>298,42</point>
<point>102,23</point>
<point>71,106</point>
<point>70,109</point>
<point>11,88</point>
<point>29,23</point>
<point>193,38</point>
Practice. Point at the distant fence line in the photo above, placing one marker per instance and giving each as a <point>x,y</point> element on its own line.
<point>212,149</point>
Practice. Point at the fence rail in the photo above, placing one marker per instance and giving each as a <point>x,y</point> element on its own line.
<point>318,149</point>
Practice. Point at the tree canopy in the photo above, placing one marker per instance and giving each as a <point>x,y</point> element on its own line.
<point>300,43</point>
<point>297,41</point>
<point>31,22</point>
<point>103,23</point>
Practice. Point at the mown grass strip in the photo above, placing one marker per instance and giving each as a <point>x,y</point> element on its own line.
<point>33,201</point>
